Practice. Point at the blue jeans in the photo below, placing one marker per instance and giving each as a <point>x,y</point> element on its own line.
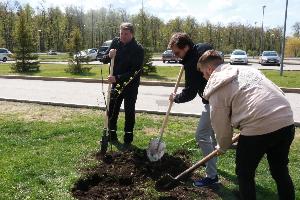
<point>206,140</point>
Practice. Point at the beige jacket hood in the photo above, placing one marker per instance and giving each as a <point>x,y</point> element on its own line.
<point>243,98</point>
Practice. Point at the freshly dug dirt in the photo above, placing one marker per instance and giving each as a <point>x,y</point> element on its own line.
<point>130,175</point>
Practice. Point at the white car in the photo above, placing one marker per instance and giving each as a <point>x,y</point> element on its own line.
<point>91,54</point>
<point>5,54</point>
<point>239,57</point>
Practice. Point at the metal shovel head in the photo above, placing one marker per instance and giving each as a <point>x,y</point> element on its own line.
<point>104,142</point>
<point>166,183</point>
<point>156,150</point>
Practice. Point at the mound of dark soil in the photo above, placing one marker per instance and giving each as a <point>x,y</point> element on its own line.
<point>130,175</point>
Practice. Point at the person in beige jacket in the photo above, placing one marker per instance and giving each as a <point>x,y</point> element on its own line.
<point>243,98</point>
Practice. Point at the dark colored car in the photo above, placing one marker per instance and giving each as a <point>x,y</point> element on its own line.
<point>101,52</point>
<point>169,56</point>
<point>102,49</point>
<point>269,58</point>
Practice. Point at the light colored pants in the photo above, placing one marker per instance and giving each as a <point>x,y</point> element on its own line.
<point>206,140</point>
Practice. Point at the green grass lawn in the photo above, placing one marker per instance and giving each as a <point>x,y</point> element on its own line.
<point>157,54</point>
<point>43,150</point>
<point>289,78</point>
<point>166,74</point>
<point>57,70</point>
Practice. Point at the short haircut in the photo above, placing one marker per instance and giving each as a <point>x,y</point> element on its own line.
<point>181,40</point>
<point>127,26</point>
<point>211,57</point>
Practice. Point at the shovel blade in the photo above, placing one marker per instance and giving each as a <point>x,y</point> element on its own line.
<point>104,142</point>
<point>156,150</point>
<point>166,183</point>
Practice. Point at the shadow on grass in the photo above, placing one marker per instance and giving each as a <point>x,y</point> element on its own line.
<point>84,74</point>
<point>156,77</point>
<point>71,75</point>
<point>228,194</point>
<point>30,73</point>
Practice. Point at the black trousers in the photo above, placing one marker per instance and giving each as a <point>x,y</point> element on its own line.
<point>129,97</point>
<point>276,146</point>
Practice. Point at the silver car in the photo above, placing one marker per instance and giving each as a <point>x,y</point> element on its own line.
<point>169,56</point>
<point>89,54</point>
<point>238,57</point>
<point>269,58</point>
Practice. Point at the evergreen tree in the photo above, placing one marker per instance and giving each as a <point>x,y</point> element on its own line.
<point>141,35</point>
<point>74,46</point>
<point>25,59</point>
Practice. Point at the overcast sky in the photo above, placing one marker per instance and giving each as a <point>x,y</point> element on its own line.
<point>224,11</point>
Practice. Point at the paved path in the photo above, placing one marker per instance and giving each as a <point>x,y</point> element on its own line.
<point>150,98</point>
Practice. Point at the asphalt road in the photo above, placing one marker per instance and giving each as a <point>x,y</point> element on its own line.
<point>254,65</point>
<point>291,67</point>
<point>150,98</point>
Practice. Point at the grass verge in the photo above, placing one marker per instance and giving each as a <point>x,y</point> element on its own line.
<point>164,74</point>
<point>44,149</point>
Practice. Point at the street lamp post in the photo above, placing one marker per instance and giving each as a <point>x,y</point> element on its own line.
<point>254,42</point>
<point>283,39</point>
<point>262,30</point>
<point>93,29</point>
<point>40,31</point>
<point>272,46</point>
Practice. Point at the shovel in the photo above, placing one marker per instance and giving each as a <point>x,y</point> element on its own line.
<point>167,182</point>
<point>104,139</point>
<point>157,147</point>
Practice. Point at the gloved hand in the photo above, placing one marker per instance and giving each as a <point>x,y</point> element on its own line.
<point>172,96</point>
<point>219,151</point>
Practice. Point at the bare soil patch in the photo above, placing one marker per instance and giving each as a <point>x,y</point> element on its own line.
<point>130,175</point>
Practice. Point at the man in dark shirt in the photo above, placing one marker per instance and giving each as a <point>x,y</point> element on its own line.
<point>129,56</point>
<point>184,48</point>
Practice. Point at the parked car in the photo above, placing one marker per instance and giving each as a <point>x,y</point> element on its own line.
<point>101,52</point>
<point>102,49</point>
<point>239,56</point>
<point>90,54</point>
<point>221,54</point>
<point>5,54</point>
<point>52,52</point>
<point>168,55</point>
<point>269,58</point>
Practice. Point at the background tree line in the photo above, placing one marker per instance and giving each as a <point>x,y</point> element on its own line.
<point>52,28</point>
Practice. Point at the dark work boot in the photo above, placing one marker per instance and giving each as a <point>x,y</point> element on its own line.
<point>112,136</point>
<point>128,138</point>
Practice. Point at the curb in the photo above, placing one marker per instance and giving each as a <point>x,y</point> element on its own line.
<point>96,107</point>
<point>297,124</point>
<point>91,80</point>
<point>290,90</point>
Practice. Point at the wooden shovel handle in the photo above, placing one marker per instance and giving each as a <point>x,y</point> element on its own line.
<point>170,104</point>
<point>111,69</point>
<point>204,160</point>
